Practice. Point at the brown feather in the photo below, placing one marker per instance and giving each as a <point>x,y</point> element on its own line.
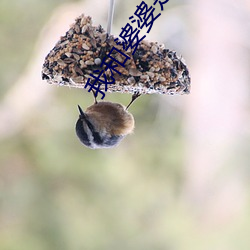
<point>111,117</point>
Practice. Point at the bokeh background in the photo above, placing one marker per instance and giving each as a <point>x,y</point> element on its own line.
<point>180,182</point>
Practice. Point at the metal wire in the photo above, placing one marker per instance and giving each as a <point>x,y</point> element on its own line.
<point>110,15</point>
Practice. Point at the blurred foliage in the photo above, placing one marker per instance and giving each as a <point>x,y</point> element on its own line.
<point>20,23</point>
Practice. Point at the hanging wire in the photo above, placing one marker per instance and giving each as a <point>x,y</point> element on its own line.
<point>110,15</point>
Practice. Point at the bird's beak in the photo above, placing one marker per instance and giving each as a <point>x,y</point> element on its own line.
<point>82,115</point>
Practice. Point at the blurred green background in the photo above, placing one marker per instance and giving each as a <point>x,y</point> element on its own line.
<point>180,182</point>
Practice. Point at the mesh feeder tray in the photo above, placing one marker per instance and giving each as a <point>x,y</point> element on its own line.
<point>152,68</point>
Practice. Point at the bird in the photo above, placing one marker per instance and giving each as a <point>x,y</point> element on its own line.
<point>104,124</point>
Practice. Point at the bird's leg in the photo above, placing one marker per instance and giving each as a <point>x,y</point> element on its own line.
<point>134,97</point>
<point>94,94</point>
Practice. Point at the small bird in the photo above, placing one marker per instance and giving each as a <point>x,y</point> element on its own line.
<point>104,124</point>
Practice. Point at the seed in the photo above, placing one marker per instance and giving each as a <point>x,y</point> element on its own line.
<point>134,72</point>
<point>61,62</point>
<point>68,54</point>
<point>77,29</point>
<point>152,69</point>
<point>77,79</point>
<point>154,49</point>
<point>147,43</point>
<point>88,62</point>
<point>98,61</point>
<point>77,57</point>
<point>78,70</point>
<point>150,74</point>
<point>103,37</point>
<point>85,46</point>
<point>69,60</point>
<point>84,28</point>
<point>78,51</point>
<point>144,78</point>
<point>64,43</point>
<point>131,80</point>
